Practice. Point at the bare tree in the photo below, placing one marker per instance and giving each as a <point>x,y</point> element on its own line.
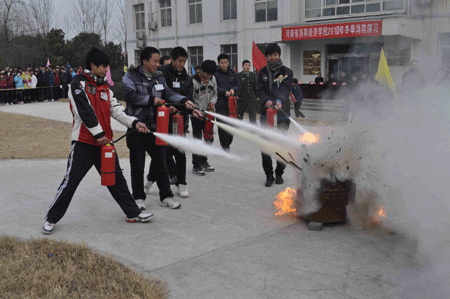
<point>85,16</point>
<point>122,26</point>
<point>105,15</point>
<point>40,16</point>
<point>8,19</point>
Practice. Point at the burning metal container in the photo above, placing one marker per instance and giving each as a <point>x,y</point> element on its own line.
<point>333,197</point>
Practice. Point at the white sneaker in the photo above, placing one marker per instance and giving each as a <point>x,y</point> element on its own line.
<point>170,203</point>
<point>142,217</point>
<point>182,191</point>
<point>148,185</point>
<point>48,228</point>
<point>140,203</point>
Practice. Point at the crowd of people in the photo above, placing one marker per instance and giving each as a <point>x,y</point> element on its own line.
<point>41,84</point>
<point>158,81</point>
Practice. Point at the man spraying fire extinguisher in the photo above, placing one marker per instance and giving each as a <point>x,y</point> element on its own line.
<point>93,104</point>
<point>145,90</point>
<point>274,87</point>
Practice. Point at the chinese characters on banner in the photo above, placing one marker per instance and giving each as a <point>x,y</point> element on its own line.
<point>366,28</point>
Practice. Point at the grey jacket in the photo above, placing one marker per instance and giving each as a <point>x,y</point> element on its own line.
<point>140,93</point>
<point>203,95</point>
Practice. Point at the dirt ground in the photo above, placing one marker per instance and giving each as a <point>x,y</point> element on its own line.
<point>27,137</point>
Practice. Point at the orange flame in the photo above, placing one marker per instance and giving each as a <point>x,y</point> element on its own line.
<point>381,213</point>
<point>285,202</point>
<point>309,138</point>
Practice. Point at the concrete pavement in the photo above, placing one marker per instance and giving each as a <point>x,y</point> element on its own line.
<point>224,242</point>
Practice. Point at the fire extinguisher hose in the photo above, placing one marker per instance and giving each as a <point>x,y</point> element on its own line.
<point>120,138</point>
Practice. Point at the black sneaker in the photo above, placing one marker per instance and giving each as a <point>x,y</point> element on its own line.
<point>278,179</point>
<point>269,181</point>
<point>208,168</point>
<point>198,171</point>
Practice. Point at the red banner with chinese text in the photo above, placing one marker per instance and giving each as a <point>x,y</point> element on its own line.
<point>353,29</point>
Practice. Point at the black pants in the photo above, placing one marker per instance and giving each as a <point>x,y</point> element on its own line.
<point>250,107</point>
<point>176,167</point>
<point>225,138</point>
<point>81,159</point>
<point>19,95</point>
<point>139,144</point>
<point>65,91</point>
<point>297,108</point>
<point>3,96</point>
<point>198,128</point>
<point>49,93</point>
<point>282,124</point>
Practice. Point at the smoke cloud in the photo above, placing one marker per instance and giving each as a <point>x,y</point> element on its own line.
<point>397,151</point>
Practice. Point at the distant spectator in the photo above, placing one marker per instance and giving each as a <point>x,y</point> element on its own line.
<point>414,78</point>
<point>319,79</point>
<point>3,89</point>
<point>297,93</point>
<point>165,60</point>
<point>19,87</point>
<point>10,87</point>
<point>57,85</point>
<point>33,84</point>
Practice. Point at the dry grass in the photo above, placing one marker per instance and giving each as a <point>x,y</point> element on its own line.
<point>27,137</point>
<point>46,268</point>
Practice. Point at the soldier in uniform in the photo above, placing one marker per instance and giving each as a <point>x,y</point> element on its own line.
<point>247,100</point>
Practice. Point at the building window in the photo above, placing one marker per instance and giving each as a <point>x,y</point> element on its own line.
<point>165,52</point>
<point>231,51</point>
<point>139,16</point>
<point>311,62</point>
<point>229,9</point>
<point>266,10</point>
<point>195,11</point>
<point>195,56</point>
<point>166,13</point>
<point>137,57</point>
<point>398,54</point>
<point>327,8</point>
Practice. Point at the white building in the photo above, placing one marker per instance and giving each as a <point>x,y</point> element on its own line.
<point>327,36</point>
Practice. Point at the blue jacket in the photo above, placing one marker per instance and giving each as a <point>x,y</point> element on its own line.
<point>19,82</point>
<point>298,93</point>
<point>226,81</point>
<point>50,79</point>
<point>140,94</point>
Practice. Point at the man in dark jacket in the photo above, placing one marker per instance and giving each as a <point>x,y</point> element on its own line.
<point>179,81</point>
<point>297,93</point>
<point>227,85</point>
<point>144,89</point>
<point>247,93</point>
<point>274,87</point>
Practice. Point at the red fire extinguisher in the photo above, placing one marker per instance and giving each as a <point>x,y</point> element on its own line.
<point>208,131</point>
<point>232,106</point>
<point>108,165</point>
<point>271,116</point>
<point>162,122</point>
<point>178,124</point>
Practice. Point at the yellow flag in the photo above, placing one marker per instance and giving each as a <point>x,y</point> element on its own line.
<point>125,69</point>
<point>384,75</point>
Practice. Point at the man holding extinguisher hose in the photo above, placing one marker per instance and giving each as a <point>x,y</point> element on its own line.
<point>274,87</point>
<point>145,89</point>
<point>93,104</point>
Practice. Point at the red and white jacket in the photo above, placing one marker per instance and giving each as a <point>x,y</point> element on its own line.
<point>92,106</point>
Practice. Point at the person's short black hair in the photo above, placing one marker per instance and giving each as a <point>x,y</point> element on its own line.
<point>178,52</point>
<point>209,66</point>
<point>97,57</point>
<point>245,61</point>
<point>295,81</point>
<point>272,48</point>
<point>162,59</point>
<point>147,53</point>
<point>222,56</point>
